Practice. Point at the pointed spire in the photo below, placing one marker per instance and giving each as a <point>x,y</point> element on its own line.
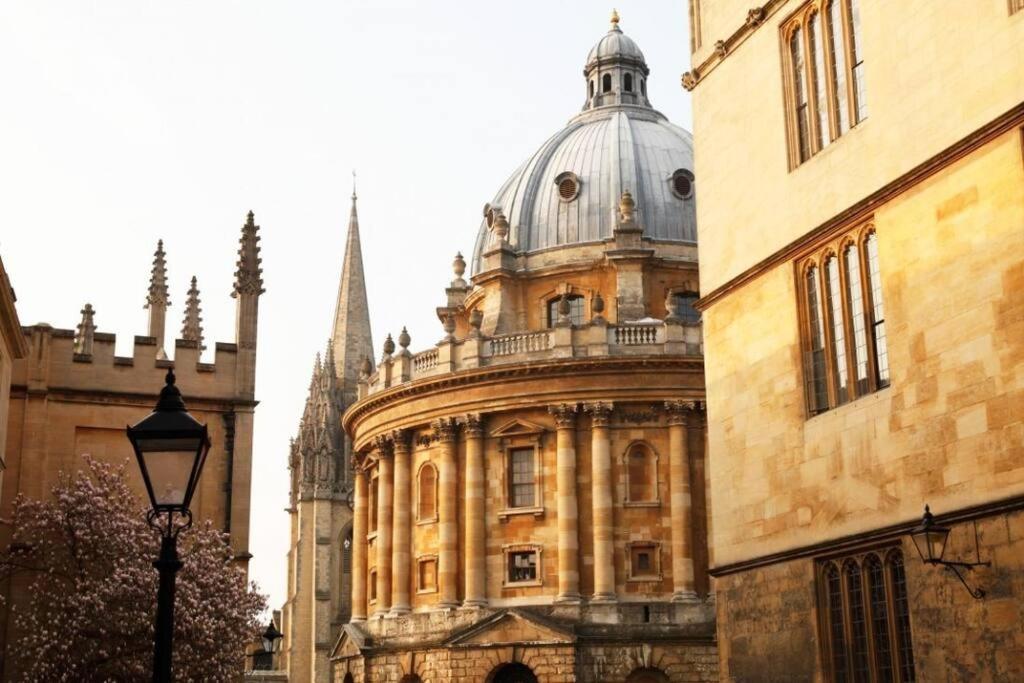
<point>351,330</point>
<point>192,325</point>
<point>249,275</point>
<point>86,332</point>
<point>158,279</point>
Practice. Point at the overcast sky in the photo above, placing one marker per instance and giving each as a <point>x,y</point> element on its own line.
<point>125,121</point>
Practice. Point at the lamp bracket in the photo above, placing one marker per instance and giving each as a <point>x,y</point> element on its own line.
<point>169,528</point>
<point>955,567</point>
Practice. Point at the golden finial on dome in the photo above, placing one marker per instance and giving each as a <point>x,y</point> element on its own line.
<point>615,18</point>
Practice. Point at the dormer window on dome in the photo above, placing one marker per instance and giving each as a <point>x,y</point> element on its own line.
<point>682,183</point>
<point>568,184</point>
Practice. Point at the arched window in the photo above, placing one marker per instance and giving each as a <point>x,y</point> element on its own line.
<point>627,82</point>
<point>641,475</point>
<point>606,83</point>
<point>858,622</point>
<point>426,492</point>
<point>796,55</point>
<point>684,307</point>
<point>575,310</point>
<point>647,675</point>
<point>877,310</point>
<point>643,86</point>
<point>818,78</point>
<point>814,361</point>
<point>855,297</point>
<point>834,298</point>
<point>591,87</point>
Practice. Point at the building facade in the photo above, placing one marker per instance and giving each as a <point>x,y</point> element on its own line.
<point>72,396</point>
<point>321,495</point>
<point>529,493</point>
<point>13,347</point>
<point>861,222</point>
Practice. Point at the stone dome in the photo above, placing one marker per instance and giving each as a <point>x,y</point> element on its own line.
<point>568,191</point>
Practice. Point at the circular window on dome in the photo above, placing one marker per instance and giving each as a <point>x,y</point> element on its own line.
<point>568,184</point>
<point>682,183</point>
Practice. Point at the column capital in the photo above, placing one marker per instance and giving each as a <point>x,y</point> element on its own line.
<point>474,425</point>
<point>401,441</point>
<point>565,415</point>
<point>600,412</point>
<point>385,446</point>
<point>445,429</point>
<point>679,410</point>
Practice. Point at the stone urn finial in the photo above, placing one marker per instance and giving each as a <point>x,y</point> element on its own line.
<point>389,346</point>
<point>449,327</point>
<point>476,319</point>
<point>500,226</point>
<point>626,207</point>
<point>404,340</point>
<point>366,369</point>
<point>597,309</point>
<point>459,265</point>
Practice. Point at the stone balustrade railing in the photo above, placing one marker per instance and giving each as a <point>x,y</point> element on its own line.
<point>587,341</point>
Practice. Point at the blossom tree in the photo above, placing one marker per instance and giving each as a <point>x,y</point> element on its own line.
<point>85,559</point>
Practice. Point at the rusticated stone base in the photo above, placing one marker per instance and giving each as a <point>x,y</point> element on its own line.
<point>675,643</point>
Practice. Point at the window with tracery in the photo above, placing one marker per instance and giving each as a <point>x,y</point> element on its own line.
<point>865,623</point>
<point>823,64</point>
<point>843,319</point>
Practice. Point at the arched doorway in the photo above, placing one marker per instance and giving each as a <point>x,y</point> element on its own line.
<point>512,673</point>
<point>647,675</point>
<point>411,678</point>
<point>349,679</point>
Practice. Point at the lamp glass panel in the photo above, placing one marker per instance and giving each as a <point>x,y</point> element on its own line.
<point>169,465</point>
<point>268,644</point>
<point>930,543</point>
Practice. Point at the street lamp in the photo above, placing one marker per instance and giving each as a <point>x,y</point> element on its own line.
<point>930,540</point>
<point>171,447</point>
<point>264,661</point>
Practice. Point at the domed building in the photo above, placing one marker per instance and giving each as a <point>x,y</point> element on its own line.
<point>529,498</point>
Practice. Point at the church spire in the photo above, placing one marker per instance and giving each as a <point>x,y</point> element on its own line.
<point>350,336</point>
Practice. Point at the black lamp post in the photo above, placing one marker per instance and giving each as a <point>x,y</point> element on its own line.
<point>264,661</point>
<point>930,540</point>
<point>171,447</point>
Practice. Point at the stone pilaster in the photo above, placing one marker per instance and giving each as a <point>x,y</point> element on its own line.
<point>601,494</point>
<point>567,506</point>
<point>448,523</point>
<point>385,515</point>
<point>359,548</point>
<point>681,504</point>
<point>401,557</point>
<point>476,528</point>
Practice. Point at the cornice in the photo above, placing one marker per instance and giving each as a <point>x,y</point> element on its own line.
<point>69,395</point>
<point>497,373</point>
<point>756,17</point>
<point>886,534</point>
<point>863,209</point>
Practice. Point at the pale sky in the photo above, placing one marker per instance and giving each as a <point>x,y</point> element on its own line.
<point>125,121</point>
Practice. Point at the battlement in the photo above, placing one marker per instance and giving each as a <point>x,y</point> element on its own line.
<point>54,363</point>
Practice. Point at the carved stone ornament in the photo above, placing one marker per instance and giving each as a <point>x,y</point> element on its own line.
<point>626,207</point>
<point>459,265</point>
<point>474,426</point>
<point>476,319</point>
<point>637,416</point>
<point>385,445</point>
<point>565,415</point>
<point>500,226</point>
<point>389,346</point>
<point>689,80</point>
<point>600,413</point>
<point>720,48</point>
<point>400,439</point>
<point>445,429</point>
<point>404,339</point>
<point>755,17</point>
<point>425,439</point>
<point>679,411</point>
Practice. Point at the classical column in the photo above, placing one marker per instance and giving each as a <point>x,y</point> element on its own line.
<point>567,507</point>
<point>385,503</point>
<point>476,530</point>
<point>361,508</point>
<point>448,523</point>
<point>679,495</point>
<point>601,494</point>
<point>401,559</point>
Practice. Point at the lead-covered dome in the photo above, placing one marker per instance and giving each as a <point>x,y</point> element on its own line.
<point>568,191</point>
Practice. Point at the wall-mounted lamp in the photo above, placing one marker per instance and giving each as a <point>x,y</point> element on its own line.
<point>930,540</point>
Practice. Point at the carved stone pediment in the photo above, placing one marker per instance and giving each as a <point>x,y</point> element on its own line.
<point>517,427</point>
<point>512,627</point>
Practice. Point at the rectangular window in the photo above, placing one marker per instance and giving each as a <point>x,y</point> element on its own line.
<point>521,490</point>
<point>864,622</point>
<point>373,585</point>
<point>824,66</point>
<point>845,337</point>
<point>644,562</point>
<point>522,566</point>
<point>373,506</point>
<point>427,575</point>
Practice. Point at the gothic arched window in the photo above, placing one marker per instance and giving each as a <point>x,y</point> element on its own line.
<point>627,82</point>
<point>606,83</point>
